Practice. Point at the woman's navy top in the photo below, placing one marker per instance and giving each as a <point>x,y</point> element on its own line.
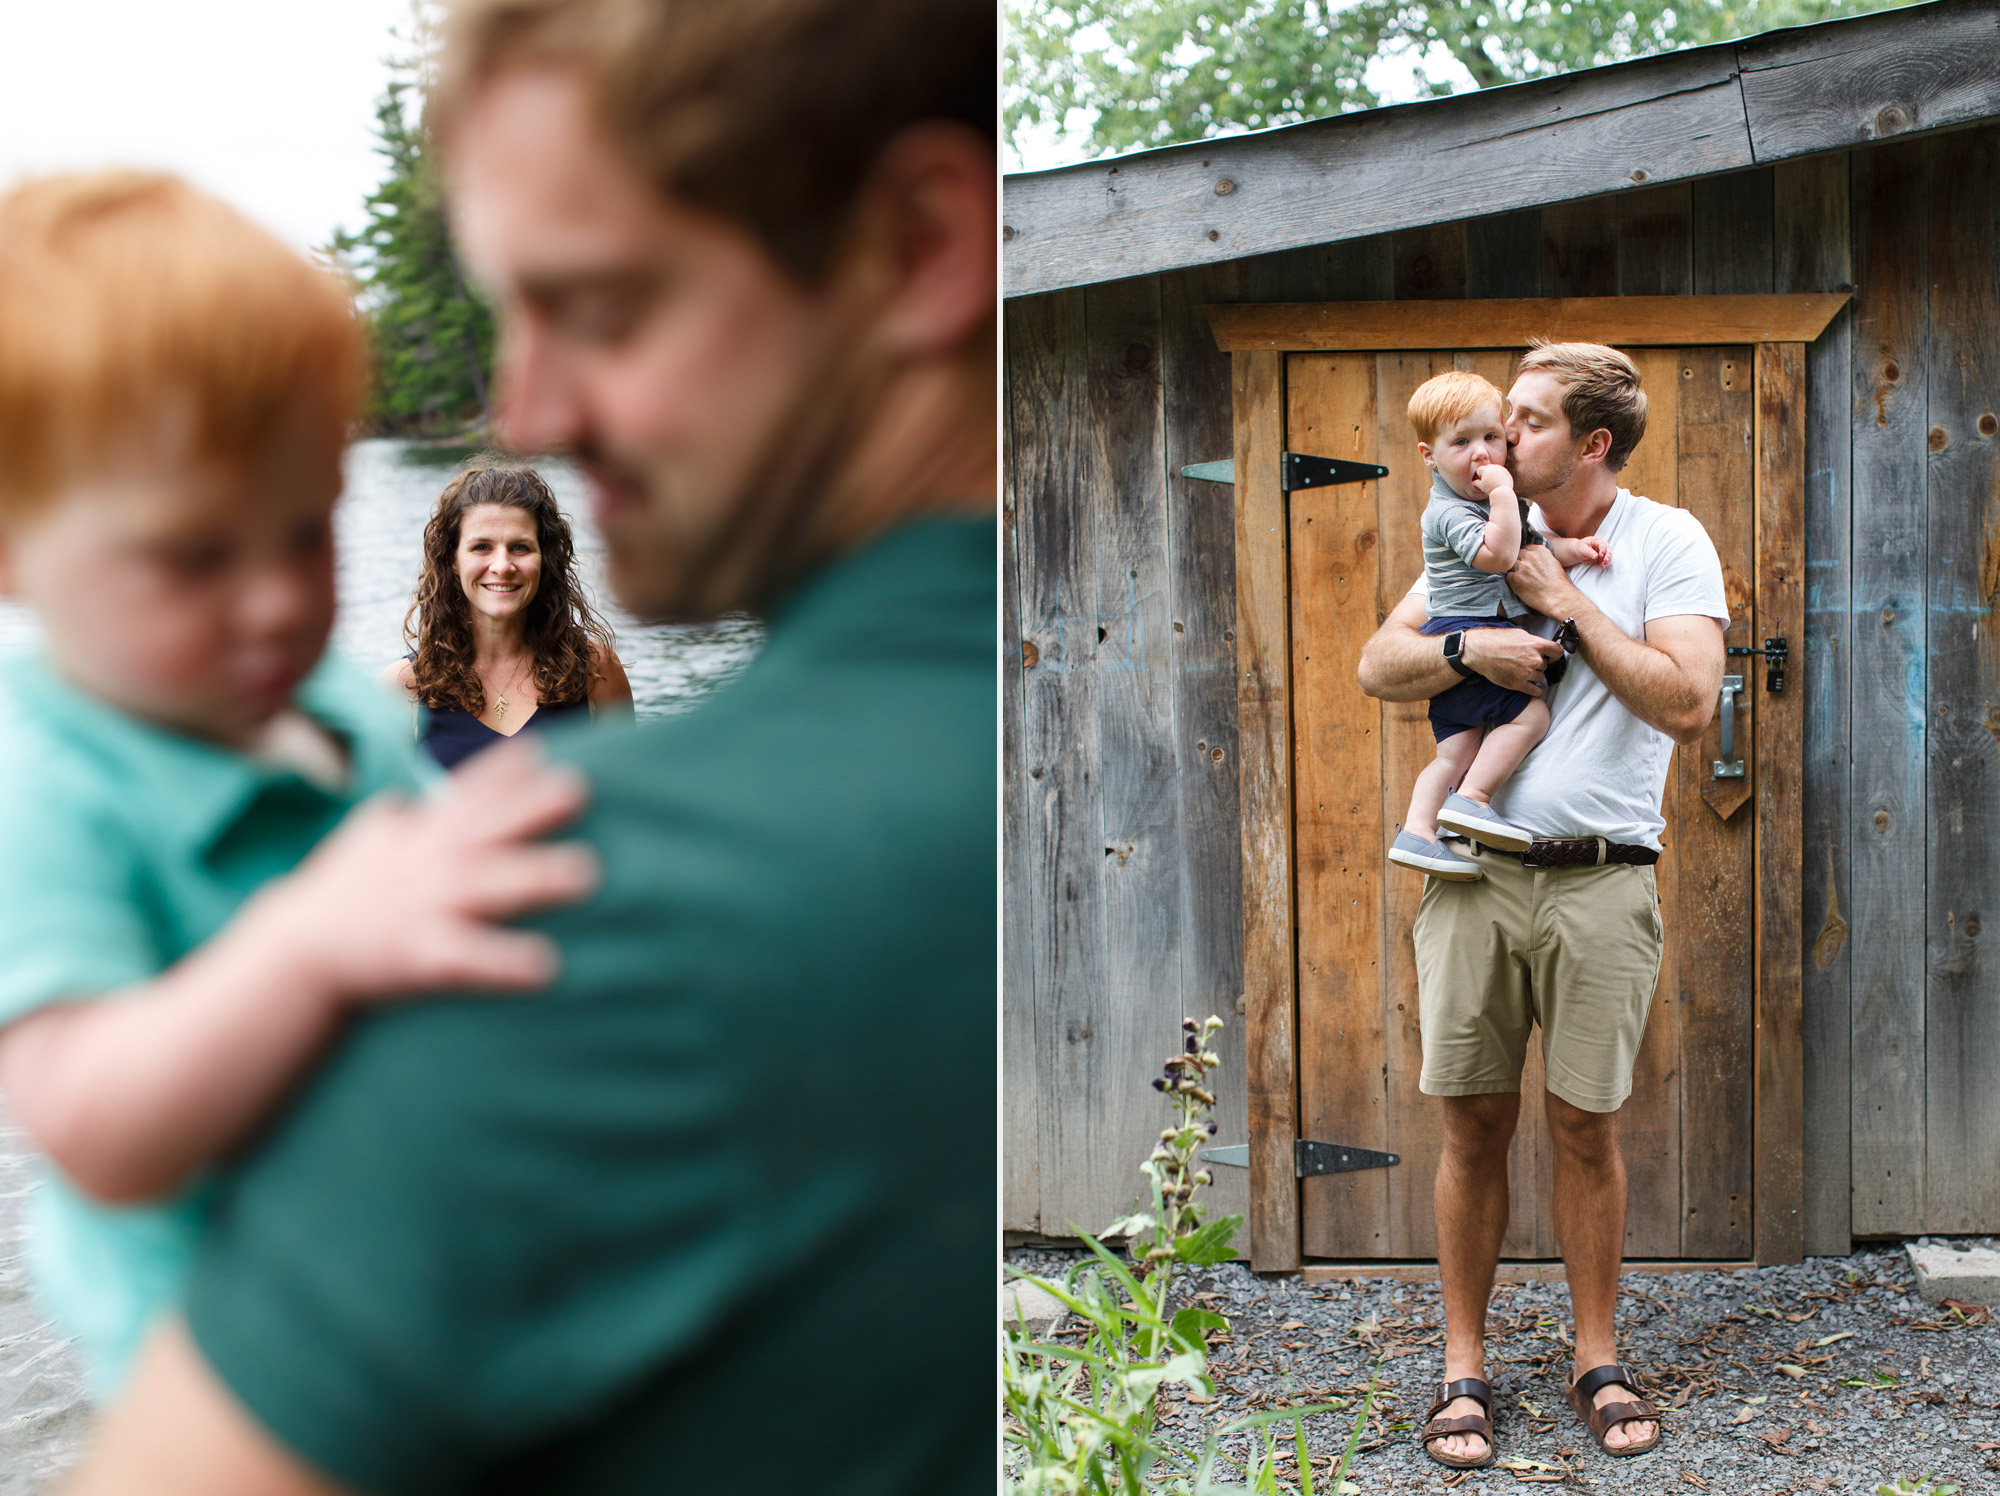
<point>450,735</point>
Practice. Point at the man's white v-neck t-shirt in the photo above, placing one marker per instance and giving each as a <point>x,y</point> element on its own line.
<point>1601,771</point>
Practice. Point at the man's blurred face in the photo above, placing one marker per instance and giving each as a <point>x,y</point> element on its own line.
<point>659,345</point>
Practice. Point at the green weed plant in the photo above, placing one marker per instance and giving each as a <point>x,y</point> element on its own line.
<point>1082,1418</point>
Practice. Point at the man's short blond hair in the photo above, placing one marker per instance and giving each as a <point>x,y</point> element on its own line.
<point>768,112</point>
<point>128,299</point>
<point>1600,392</point>
<point>1448,398</point>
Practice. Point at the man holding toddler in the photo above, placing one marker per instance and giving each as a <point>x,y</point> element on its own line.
<point>639,1231</point>
<point>1567,933</point>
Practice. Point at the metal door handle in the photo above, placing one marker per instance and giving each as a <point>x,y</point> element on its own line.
<point>1729,766</point>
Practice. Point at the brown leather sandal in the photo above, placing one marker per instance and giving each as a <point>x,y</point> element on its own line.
<point>1600,1421</point>
<point>1470,1423</point>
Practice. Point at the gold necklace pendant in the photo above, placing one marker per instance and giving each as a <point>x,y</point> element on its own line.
<point>500,708</point>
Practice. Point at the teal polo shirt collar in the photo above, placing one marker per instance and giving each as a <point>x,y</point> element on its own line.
<point>196,790</point>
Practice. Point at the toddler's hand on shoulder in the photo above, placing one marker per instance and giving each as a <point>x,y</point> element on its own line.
<point>1594,551</point>
<point>403,896</point>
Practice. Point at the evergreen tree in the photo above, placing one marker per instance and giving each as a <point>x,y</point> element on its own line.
<point>433,339</point>
<point>1149,72</point>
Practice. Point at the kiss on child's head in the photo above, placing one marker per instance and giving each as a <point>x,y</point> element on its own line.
<point>175,390</point>
<point>1459,421</point>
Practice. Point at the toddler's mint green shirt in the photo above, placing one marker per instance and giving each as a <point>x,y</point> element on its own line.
<point>123,847</point>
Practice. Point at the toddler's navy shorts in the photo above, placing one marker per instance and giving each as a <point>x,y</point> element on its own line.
<point>1477,702</point>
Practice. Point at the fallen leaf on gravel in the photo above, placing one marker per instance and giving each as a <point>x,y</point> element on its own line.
<point>1293,1324</point>
<point>1762,1397</point>
<point>1825,1340</point>
<point>1291,1345</point>
<point>1760,1309</point>
<point>1744,1415</point>
<point>1776,1440</point>
<point>1976,1314</point>
<point>1994,1445</point>
<point>1534,1470</point>
<point>1694,1480</point>
<point>1923,1367</point>
<point>1786,1368</point>
<point>1799,1319</point>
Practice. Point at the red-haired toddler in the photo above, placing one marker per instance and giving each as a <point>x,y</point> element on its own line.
<point>1474,528</point>
<point>175,391</point>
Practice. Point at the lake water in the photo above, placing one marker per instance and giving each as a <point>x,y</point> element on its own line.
<point>391,488</point>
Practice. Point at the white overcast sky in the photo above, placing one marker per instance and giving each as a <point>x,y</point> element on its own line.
<point>266,103</point>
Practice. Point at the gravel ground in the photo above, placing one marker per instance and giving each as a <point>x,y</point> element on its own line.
<point>44,1417</point>
<point>1828,1377</point>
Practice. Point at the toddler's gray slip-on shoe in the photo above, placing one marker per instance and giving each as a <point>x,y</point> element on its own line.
<point>1481,824</point>
<point>1434,858</point>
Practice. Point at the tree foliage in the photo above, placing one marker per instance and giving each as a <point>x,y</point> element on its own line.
<point>1156,71</point>
<point>433,338</point>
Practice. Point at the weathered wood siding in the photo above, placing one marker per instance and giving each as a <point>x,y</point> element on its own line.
<point>1123,881</point>
<point>1123,908</point>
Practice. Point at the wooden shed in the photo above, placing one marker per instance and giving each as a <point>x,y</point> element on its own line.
<point>1795,235</point>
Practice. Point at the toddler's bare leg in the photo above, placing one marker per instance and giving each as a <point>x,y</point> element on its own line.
<point>1501,754</point>
<point>1455,756</point>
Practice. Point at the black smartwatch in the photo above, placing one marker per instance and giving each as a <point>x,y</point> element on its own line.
<point>1453,643</point>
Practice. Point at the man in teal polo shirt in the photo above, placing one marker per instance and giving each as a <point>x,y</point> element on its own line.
<point>715,1212</point>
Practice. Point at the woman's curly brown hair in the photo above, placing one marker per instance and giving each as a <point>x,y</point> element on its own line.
<point>560,626</point>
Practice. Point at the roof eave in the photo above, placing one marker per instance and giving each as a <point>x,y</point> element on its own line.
<point>1657,119</point>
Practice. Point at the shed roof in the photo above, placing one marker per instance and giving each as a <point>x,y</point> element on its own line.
<point>1658,119</point>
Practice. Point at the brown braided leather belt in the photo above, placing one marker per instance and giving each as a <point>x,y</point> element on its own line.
<point>1585,851</point>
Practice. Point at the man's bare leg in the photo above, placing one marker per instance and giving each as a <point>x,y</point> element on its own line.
<point>1471,1208</point>
<point>1589,1210</point>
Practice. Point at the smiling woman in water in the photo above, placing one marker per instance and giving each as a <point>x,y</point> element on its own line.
<point>500,634</point>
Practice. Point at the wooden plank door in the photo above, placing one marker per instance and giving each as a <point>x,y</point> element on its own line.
<point>1694,1133</point>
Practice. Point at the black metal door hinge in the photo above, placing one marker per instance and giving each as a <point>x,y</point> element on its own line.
<point>1309,1158</point>
<point>1317,472</point>
<point>1295,470</point>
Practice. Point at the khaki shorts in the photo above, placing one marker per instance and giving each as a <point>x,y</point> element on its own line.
<point>1576,949</point>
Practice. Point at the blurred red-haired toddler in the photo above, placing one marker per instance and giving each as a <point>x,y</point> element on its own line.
<point>176,388</point>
